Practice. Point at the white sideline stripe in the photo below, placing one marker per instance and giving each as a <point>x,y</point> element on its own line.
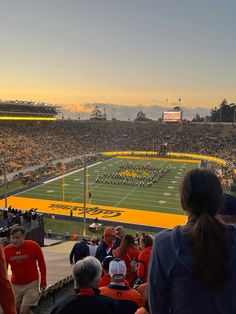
<point>64,175</point>
<point>70,173</point>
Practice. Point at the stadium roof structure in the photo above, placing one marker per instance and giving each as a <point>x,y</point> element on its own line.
<point>25,110</point>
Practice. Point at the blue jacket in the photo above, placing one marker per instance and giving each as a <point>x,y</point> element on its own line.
<point>79,251</point>
<point>102,251</point>
<point>172,288</point>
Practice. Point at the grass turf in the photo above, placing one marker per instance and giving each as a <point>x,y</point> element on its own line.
<point>62,226</point>
<point>162,196</point>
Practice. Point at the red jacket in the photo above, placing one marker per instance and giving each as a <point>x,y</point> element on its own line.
<point>23,261</point>
<point>7,300</point>
<point>131,254</point>
<point>143,259</point>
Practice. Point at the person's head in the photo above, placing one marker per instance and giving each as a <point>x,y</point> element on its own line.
<point>18,236</point>
<point>109,234</point>
<point>87,273</point>
<point>127,242</point>
<point>146,240</point>
<point>106,263</point>
<point>120,232</point>
<point>201,192</point>
<point>202,197</point>
<point>94,240</point>
<point>117,270</point>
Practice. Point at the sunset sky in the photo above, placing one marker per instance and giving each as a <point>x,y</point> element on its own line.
<point>124,52</point>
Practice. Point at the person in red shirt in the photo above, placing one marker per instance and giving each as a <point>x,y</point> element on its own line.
<point>128,252</point>
<point>7,300</point>
<point>129,300</point>
<point>24,257</point>
<point>146,242</point>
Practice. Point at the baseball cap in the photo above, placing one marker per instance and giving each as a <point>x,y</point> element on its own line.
<point>109,231</point>
<point>117,268</point>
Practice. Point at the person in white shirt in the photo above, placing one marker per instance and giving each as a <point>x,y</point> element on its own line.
<point>93,246</point>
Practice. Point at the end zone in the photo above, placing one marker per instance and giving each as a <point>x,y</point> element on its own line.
<point>113,214</point>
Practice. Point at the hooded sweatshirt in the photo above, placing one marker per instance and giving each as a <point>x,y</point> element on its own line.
<point>174,290</point>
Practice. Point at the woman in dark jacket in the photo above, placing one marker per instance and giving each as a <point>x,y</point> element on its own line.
<point>193,268</point>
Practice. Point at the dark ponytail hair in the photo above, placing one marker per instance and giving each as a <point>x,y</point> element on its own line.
<point>202,195</point>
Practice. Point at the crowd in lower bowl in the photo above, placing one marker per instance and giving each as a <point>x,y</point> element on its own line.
<point>186,270</point>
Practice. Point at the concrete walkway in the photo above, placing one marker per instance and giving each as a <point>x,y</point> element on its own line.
<point>57,261</point>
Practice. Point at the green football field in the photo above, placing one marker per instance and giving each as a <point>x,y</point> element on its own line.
<point>163,196</point>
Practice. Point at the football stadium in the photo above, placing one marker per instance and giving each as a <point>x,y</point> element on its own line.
<point>66,182</point>
<point>118,157</point>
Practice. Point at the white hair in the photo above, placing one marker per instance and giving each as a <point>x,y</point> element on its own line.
<point>87,273</point>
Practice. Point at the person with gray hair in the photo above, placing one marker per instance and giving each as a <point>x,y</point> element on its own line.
<point>87,299</point>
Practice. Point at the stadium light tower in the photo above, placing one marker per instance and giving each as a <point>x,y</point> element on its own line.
<point>85,197</point>
<point>3,157</point>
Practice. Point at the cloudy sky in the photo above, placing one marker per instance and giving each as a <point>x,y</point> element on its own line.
<point>130,53</point>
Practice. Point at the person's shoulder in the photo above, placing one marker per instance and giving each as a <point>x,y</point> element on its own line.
<point>31,243</point>
<point>163,237</point>
<point>62,306</point>
<point>8,247</point>
<point>103,289</point>
<point>134,292</point>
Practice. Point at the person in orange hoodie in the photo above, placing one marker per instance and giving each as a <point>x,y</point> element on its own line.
<point>146,242</point>
<point>7,300</point>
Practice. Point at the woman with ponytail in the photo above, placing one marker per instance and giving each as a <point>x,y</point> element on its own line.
<point>193,267</point>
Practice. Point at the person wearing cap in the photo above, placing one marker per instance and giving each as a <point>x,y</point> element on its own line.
<point>106,279</point>
<point>129,300</point>
<point>79,251</point>
<point>105,247</point>
<point>87,299</point>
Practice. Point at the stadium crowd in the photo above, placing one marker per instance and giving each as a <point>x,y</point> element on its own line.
<point>185,270</point>
<point>32,144</point>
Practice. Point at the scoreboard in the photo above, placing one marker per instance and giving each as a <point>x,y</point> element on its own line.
<point>172,116</point>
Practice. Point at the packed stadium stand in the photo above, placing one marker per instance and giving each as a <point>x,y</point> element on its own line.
<point>29,143</point>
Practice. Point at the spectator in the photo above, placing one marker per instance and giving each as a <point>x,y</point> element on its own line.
<point>105,247</point>
<point>7,300</point>
<point>143,290</point>
<point>23,256</point>
<point>129,299</point>
<point>93,246</point>
<point>79,251</point>
<point>87,274</point>
<point>106,279</point>
<point>146,242</point>
<point>120,233</point>
<point>228,213</point>
<point>193,268</point>
<point>129,252</point>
